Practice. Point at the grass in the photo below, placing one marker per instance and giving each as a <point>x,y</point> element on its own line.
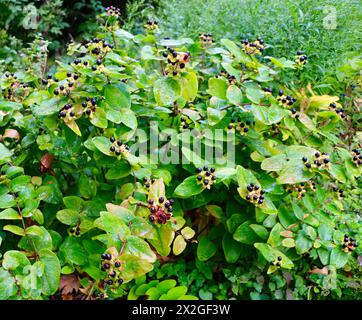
<point>286,25</point>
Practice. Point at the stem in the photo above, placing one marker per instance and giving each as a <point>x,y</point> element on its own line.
<point>123,245</point>
<point>24,228</point>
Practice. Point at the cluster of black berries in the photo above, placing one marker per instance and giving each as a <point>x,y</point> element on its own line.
<point>118,147</point>
<point>96,47</point>
<point>253,48</point>
<point>160,210</point>
<point>185,123</point>
<point>340,111</point>
<point>75,231</point>
<point>357,157</point>
<point>231,79</point>
<point>11,76</point>
<point>277,262</point>
<point>300,59</point>
<point>294,113</point>
<point>113,267</point>
<point>255,194</point>
<point>176,61</point>
<point>268,90</point>
<point>206,39</point>
<point>89,106</point>
<point>321,160</point>
<point>151,25</point>
<point>301,189</point>
<point>113,11</point>
<point>275,129</point>
<point>67,111</point>
<point>341,195</point>
<point>349,244</point>
<point>240,126</point>
<point>285,100</point>
<point>206,176</point>
<point>148,182</point>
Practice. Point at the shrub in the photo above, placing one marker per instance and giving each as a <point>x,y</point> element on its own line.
<point>88,207</point>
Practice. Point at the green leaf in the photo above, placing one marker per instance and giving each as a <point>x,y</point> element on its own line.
<point>133,267</point>
<point>166,285</point>
<point>214,116</point>
<point>120,170</point>
<point>73,251</point>
<point>232,249</point>
<point>245,234</point>
<point>205,249</point>
<point>139,248</point>
<point>179,245</point>
<point>217,88</point>
<point>14,229</point>
<point>254,94</point>
<point>51,275</point>
<point>176,293</point>
<point>68,217</point>
<point>166,91</point>
<point>5,154</point>
<point>189,187</point>
<point>99,118</point>
<point>261,231</point>
<point>162,243</point>
<point>234,95</point>
<point>8,287</point>
<point>128,118</point>
<point>112,224</point>
<point>189,86</point>
<point>338,258</point>
<point>9,214</point>
<point>87,187</point>
<point>117,96</point>
<point>14,259</point>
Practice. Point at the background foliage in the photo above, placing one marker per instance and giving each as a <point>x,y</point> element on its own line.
<point>76,217</point>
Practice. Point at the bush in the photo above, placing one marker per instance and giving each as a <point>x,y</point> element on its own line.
<point>89,209</point>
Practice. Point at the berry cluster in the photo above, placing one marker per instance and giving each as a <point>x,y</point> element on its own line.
<point>75,231</point>
<point>176,61</point>
<point>349,244</point>
<point>255,194</point>
<point>285,100</point>
<point>240,126</point>
<point>275,128</point>
<point>206,39</point>
<point>321,160</point>
<point>340,111</point>
<point>67,112</point>
<point>206,176</point>
<point>89,106</point>
<point>277,262</point>
<point>185,123</point>
<point>268,91</point>
<point>119,148</point>
<point>301,189</point>
<point>231,79</point>
<point>113,267</point>
<point>17,90</point>
<point>113,11</point>
<point>151,25</point>
<point>357,157</point>
<point>253,48</point>
<point>160,210</point>
<point>97,47</point>
<point>294,113</point>
<point>341,195</point>
<point>148,182</point>
<point>300,59</point>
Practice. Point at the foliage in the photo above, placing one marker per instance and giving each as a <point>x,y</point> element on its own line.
<point>84,211</point>
<point>287,26</point>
